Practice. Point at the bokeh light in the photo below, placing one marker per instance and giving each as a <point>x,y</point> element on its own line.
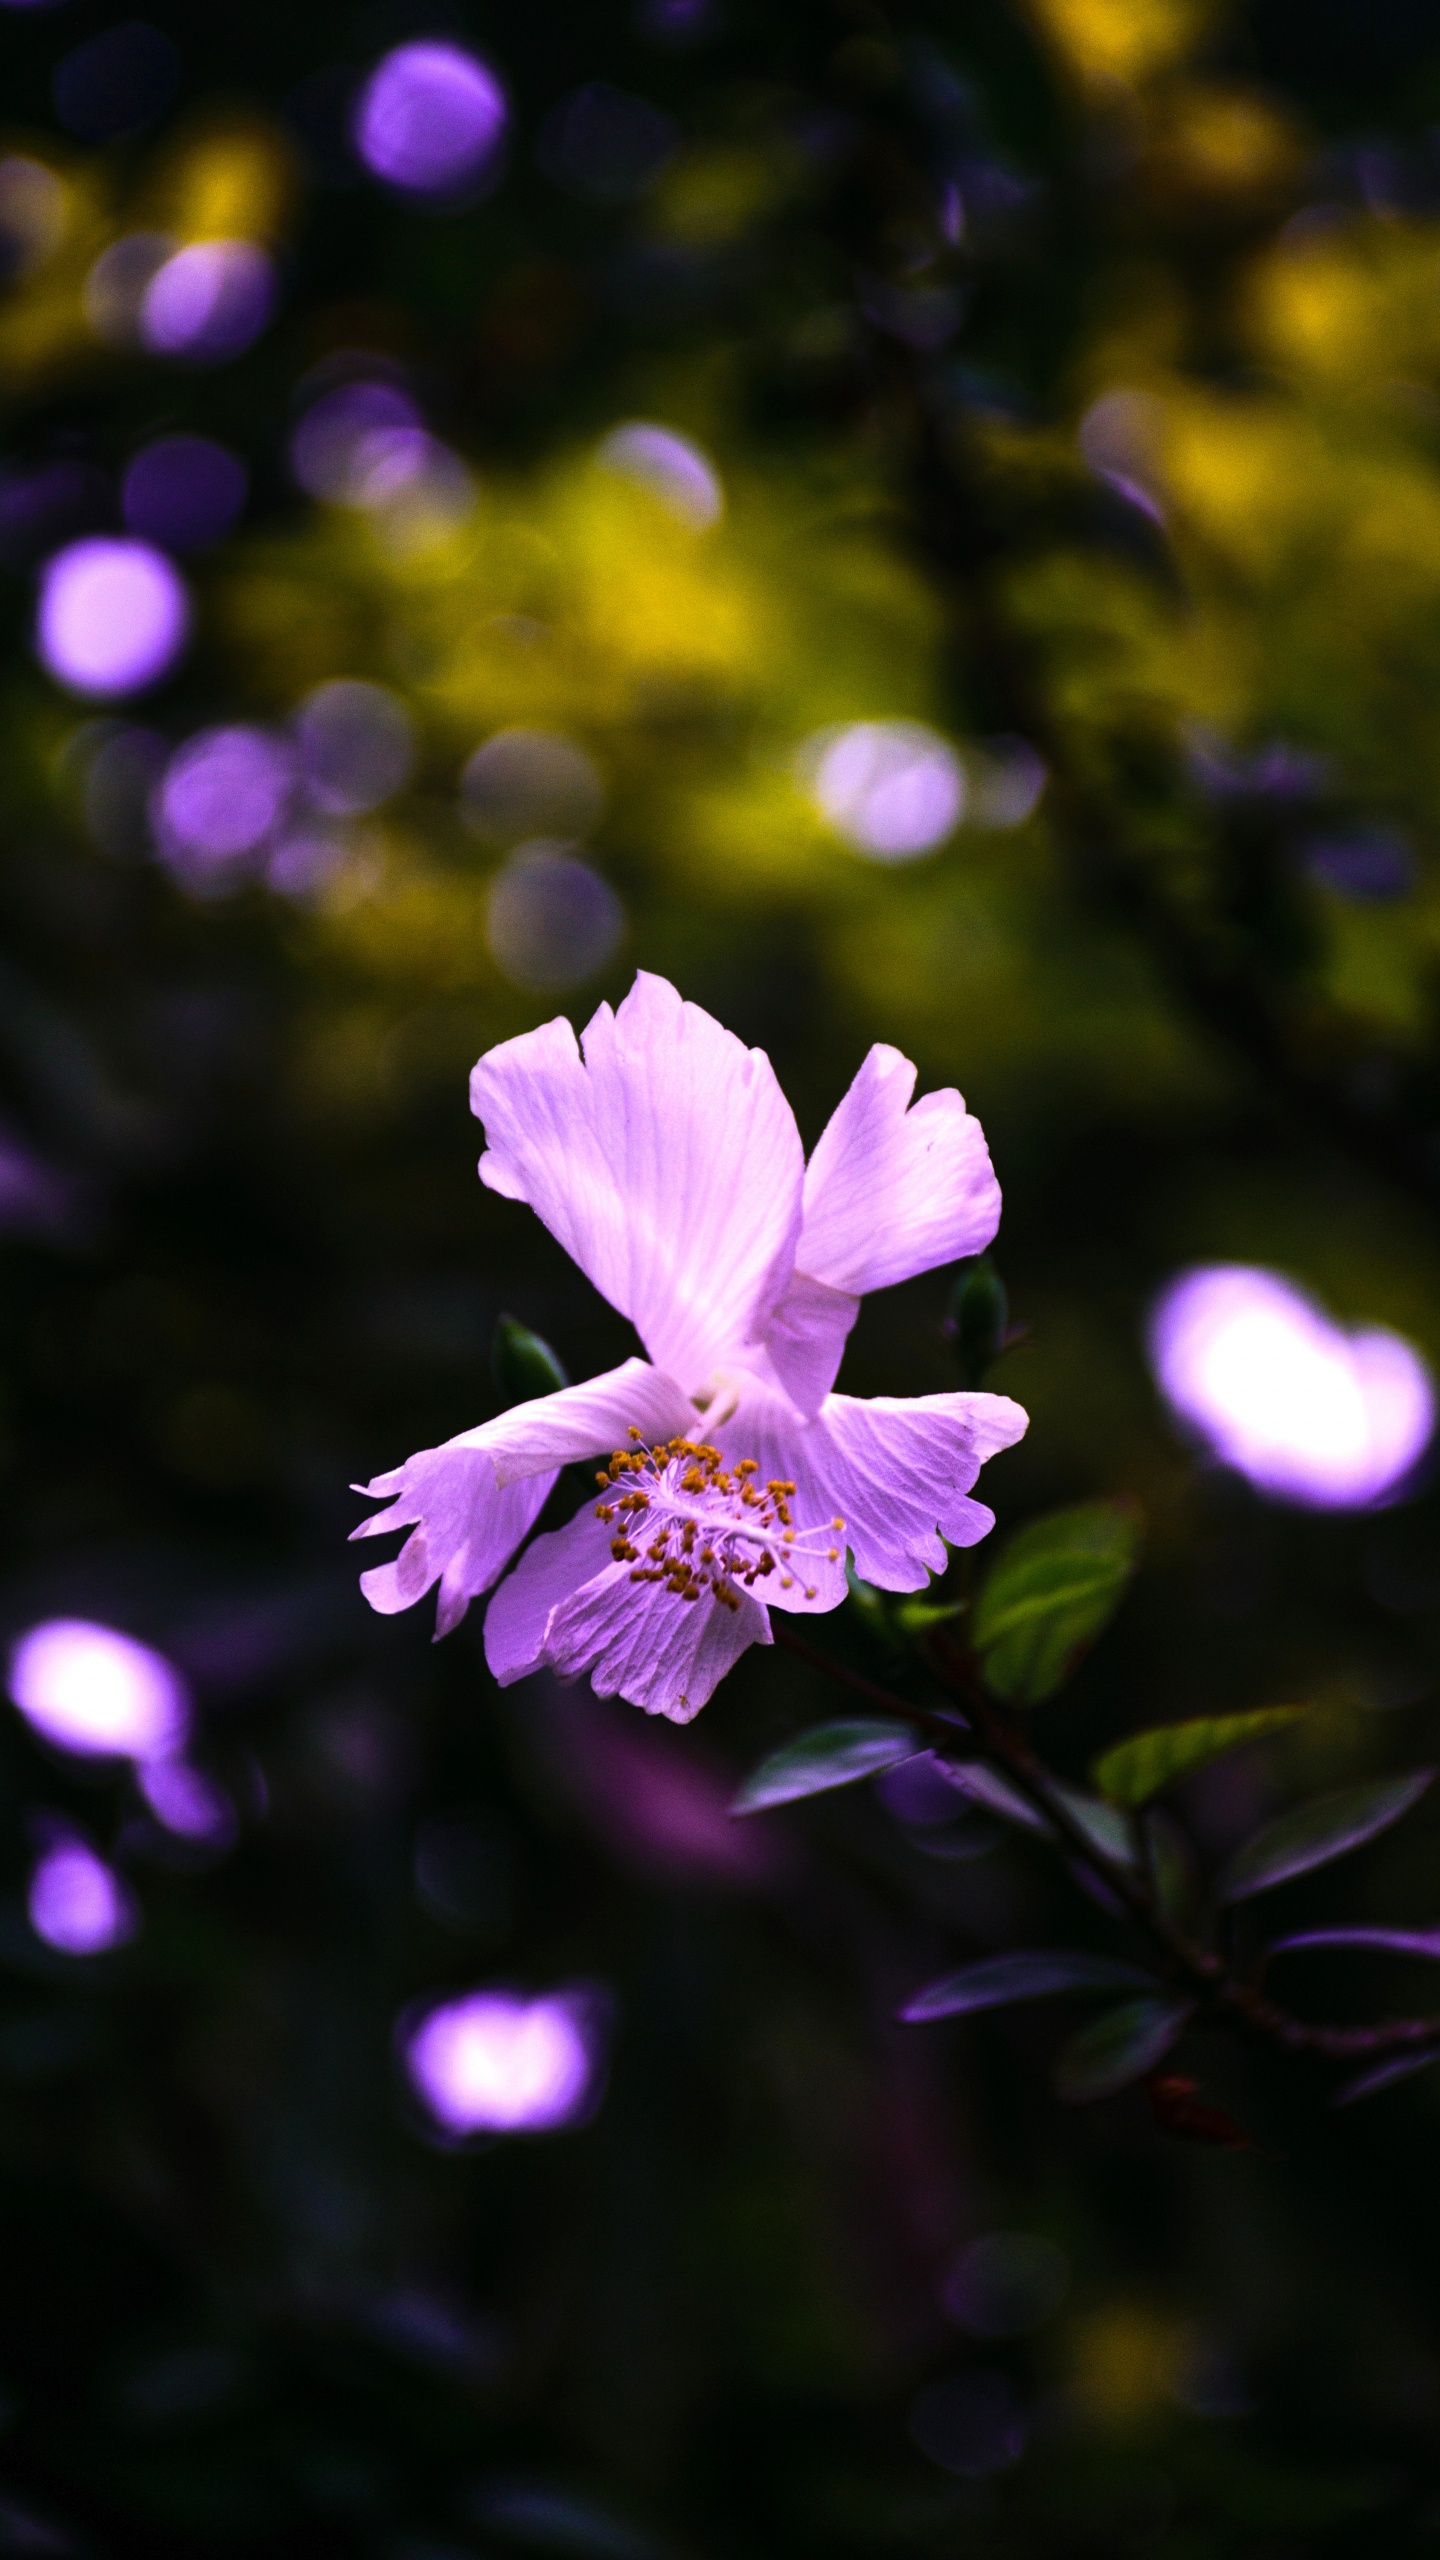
<point>222,794</point>
<point>604,145</point>
<point>495,2063</point>
<point>531,782</point>
<point>116,84</point>
<point>121,771</point>
<point>893,788</point>
<point>78,1905</point>
<point>209,302</point>
<point>1006,2283</point>
<point>550,920</point>
<point>184,1801</point>
<point>184,491</point>
<point>1304,1409</point>
<point>114,617</point>
<point>33,214</point>
<point>356,746</point>
<point>672,468</point>
<point>96,1692</point>
<point>363,445</point>
<point>115,288</point>
<point>305,858</point>
<point>430,119</point>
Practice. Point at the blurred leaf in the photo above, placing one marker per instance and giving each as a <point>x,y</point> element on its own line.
<point>1119,2047</point>
<point>828,1755</point>
<point>1173,1870</point>
<point>1316,1832</point>
<point>1381,2075</point>
<point>985,1786</point>
<point>1106,1829</point>
<point>917,1617</point>
<point>1400,1942</point>
<point>545,2519</point>
<point>1032,1974</point>
<point>521,1364</point>
<point>1134,1771</point>
<point>872,1608</point>
<point>1056,1586</point>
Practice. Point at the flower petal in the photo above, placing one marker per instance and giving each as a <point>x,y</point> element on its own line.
<point>584,1421</point>
<point>468,1528</point>
<point>896,1470</point>
<point>643,1643</point>
<point>892,1190</point>
<point>570,1608</point>
<point>474,1499</point>
<point>546,1575</point>
<point>806,1336</point>
<point>668,1165</point>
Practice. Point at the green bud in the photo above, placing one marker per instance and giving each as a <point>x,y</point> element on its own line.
<point>521,1364</point>
<point>979,1318</point>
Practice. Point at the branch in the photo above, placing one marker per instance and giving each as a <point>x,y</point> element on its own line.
<point>1219,1992</point>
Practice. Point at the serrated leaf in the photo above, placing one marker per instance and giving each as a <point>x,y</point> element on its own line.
<point>1136,1770</point>
<point>1119,2047</point>
<point>1030,1974</point>
<point>828,1755</point>
<point>1055,1587</point>
<point>1400,1942</point>
<point>1313,1833</point>
<point>1368,2084</point>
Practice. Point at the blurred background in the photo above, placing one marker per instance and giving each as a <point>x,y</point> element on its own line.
<point>922,523</point>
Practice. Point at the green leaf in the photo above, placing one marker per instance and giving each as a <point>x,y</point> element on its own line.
<point>1136,1770</point>
<point>1119,2047</point>
<point>827,1755</point>
<point>985,1786</point>
<point>917,1617</point>
<point>1107,1830</point>
<point>1055,1587</point>
<point>1032,1974</point>
<point>1315,1832</point>
<point>521,1365</point>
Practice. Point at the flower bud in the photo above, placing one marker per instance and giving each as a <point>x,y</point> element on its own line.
<point>978,1319</point>
<point>521,1365</point>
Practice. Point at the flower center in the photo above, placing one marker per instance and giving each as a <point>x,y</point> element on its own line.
<point>685,1517</point>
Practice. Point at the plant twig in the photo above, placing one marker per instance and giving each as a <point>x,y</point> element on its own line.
<point>1219,1992</point>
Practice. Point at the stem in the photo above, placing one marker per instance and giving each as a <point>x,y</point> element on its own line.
<point>1217,1990</point>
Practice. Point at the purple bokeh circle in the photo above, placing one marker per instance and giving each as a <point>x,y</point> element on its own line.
<point>114,616</point>
<point>430,119</point>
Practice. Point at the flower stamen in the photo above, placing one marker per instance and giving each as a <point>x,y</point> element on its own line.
<point>741,1529</point>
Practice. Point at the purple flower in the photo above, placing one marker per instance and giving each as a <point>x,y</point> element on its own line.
<point>665,1159</point>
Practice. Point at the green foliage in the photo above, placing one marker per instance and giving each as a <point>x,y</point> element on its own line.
<point>1130,1773</point>
<point>1031,1974</point>
<point>521,1364</point>
<point>1055,1588</point>
<point>1119,2047</point>
<point>1314,1833</point>
<point>828,1755</point>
